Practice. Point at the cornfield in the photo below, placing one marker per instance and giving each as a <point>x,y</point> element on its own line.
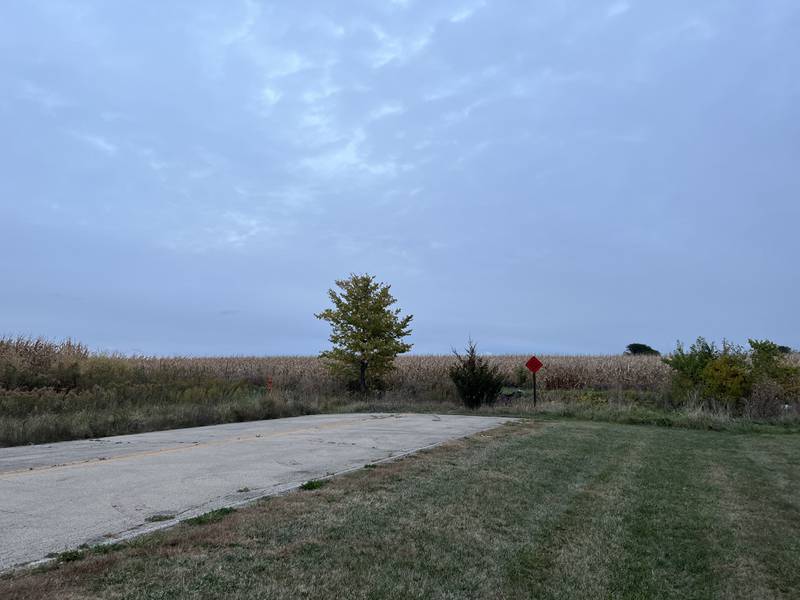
<point>60,391</point>
<point>415,374</point>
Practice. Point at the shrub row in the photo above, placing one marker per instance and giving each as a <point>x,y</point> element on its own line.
<point>756,382</point>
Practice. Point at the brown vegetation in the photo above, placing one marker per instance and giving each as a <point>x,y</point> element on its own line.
<point>417,374</point>
<point>59,391</point>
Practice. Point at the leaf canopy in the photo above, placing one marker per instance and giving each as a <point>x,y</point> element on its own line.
<point>366,331</point>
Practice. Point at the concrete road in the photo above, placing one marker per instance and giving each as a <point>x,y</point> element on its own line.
<point>54,497</point>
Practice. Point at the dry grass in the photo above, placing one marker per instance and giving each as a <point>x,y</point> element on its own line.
<point>308,373</point>
<point>418,373</point>
<point>413,373</point>
<point>60,391</point>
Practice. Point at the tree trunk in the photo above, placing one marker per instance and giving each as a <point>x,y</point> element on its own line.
<point>362,377</point>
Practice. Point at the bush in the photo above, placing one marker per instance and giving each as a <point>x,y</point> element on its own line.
<point>769,361</point>
<point>689,365</point>
<point>476,381</point>
<point>767,400</point>
<point>727,378</point>
<point>756,383</point>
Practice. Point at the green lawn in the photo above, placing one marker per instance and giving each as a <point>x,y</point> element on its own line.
<point>559,509</point>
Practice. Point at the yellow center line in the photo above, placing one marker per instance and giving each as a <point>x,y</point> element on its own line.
<point>189,446</point>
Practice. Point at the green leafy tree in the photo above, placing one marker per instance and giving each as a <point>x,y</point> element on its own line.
<point>366,332</point>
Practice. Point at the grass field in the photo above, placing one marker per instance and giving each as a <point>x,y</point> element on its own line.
<point>536,510</point>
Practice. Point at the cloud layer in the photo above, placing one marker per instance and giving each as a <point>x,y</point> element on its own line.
<point>191,177</point>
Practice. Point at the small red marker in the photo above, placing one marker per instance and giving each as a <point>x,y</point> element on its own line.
<point>533,365</point>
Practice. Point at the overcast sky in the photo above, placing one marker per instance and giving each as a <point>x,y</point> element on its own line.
<point>554,176</point>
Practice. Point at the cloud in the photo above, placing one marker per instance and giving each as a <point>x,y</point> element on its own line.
<point>285,64</point>
<point>97,142</point>
<point>464,113</point>
<point>237,228</point>
<point>698,28</point>
<point>290,199</point>
<point>320,92</point>
<point>349,159</point>
<point>386,110</point>
<point>112,116</point>
<point>270,96</point>
<point>617,9</point>
<point>332,28</point>
<point>317,127</point>
<point>460,84</point>
<point>398,49</point>
<point>152,159</point>
<point>229,229</point>
<point>466,12</point>
<point>445,91</point>
<point>286,200</point>
<point>243,30</point>
<point>45,98</point>
<point>694,29</point>
<point>473,152</point>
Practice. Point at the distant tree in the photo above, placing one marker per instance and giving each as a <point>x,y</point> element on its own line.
<point>366,332</point>
<point>785,349</point>
<point>641,349</point>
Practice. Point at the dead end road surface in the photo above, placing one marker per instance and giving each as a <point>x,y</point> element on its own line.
<point>55,497</point>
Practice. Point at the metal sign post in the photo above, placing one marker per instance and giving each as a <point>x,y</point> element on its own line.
<point>533,365</point>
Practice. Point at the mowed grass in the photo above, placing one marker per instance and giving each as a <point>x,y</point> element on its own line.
<point>560,509</point>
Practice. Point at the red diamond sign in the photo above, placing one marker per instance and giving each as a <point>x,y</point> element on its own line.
<point>533,364</point>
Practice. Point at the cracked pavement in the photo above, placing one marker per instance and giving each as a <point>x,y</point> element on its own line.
<point>55,497</point>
